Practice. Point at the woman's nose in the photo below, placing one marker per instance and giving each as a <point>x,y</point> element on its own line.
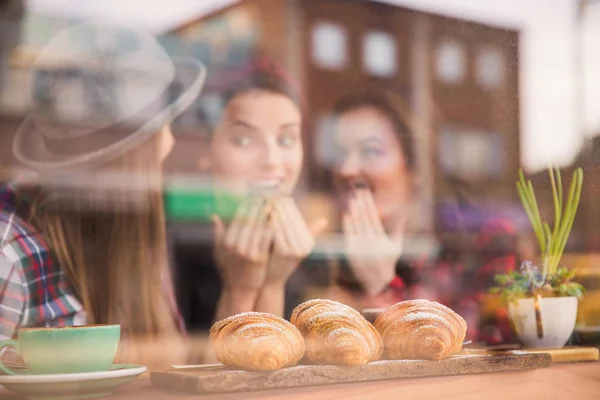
<point>272,155</point>
<point>348,167</point>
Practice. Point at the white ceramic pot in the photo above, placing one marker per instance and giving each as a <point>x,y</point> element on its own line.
<point>558,316</point>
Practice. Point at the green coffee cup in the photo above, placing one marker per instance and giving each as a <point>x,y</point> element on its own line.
<point>63,350</point>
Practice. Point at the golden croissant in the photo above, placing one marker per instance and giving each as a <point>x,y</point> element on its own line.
<point>257,342</point>
<point>336,334</point>
<point>420,329</point>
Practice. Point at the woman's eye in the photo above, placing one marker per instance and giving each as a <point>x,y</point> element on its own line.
<point>241,140</point>
<point>288,140</point>
<point>371,152</point>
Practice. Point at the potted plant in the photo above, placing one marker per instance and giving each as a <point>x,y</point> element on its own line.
<point>542,298</point>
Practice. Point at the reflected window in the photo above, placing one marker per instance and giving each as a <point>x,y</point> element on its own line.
<point>14,93</point>
<point>172,44</point>
<point>240,22</point>
<point>205,112</point>
<point>199,50</point>
<point>470,154</point>
<point>379,54</point>
<point>212,106</point>
<point>68,93</point>
<point>329,45</point>
<point>89,95</point>
<point>490,67</point>
<point>326,150</point>
<point>450,61</point>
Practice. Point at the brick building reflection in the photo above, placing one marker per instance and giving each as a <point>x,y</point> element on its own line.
<point>460,77</point>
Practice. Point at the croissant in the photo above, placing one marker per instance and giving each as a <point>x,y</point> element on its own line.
<point>336,334</point>
<point>420,329</point>
<point>257,342</point>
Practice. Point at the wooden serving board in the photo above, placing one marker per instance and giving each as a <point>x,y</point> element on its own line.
<point>220,379</point>
<point>571,354</point>
<point>564,355</point>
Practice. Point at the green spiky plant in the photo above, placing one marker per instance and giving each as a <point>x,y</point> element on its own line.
<point>551,279</point>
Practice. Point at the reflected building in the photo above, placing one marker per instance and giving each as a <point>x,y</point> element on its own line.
<point>585,236</point>
<point>460,77</point>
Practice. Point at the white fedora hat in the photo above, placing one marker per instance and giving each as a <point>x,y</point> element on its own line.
<point>99,91</point>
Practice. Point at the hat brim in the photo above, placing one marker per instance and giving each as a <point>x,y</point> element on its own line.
<point>29,147</point>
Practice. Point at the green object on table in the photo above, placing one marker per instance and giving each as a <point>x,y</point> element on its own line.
<point>64,350</point>
<point>198,204</point>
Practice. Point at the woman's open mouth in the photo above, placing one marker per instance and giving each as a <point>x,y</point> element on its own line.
<point>266,186</point>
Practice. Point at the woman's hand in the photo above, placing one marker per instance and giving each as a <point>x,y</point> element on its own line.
<point>242,248</point>
<point>372,253</point>
<point>258,252</point>
<point>293,240</point>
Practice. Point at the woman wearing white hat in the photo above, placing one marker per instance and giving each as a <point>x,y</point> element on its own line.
<point>84,240</point>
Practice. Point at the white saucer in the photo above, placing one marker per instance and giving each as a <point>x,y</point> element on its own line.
<point>86,385</point>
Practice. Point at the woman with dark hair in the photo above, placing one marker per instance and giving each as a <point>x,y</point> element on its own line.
<point>254,151</point>
<point>374,178</point>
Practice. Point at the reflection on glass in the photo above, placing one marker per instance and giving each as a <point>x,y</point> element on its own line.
<point>329,45</point>
<point>470,154</point>
<point>450,61</point>
<point>490,67</point>
<point>379,54</point>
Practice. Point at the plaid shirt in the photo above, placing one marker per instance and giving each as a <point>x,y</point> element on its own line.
<point>461,284</point>
<point>34,291</point>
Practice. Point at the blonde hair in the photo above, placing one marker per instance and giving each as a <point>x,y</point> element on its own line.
<point>111,241</point>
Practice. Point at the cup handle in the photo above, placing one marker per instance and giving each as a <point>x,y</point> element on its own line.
<point>8,343</point>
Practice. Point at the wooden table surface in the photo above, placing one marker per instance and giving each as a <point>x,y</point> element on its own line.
<point>560,381</point>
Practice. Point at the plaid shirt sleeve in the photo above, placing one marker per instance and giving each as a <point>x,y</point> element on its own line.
<point>12,302</point>
<point>34,291</point>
